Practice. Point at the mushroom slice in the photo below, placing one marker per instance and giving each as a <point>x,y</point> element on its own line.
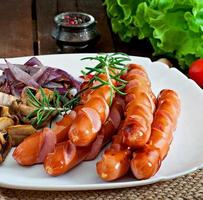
<point>5,145</point>
<point>5,122</point>
<point>19,132</point>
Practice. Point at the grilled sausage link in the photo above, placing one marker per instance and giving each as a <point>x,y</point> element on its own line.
<point>109,128</point>
<point>115,160</point>
<point>91,116</point>
<point>140,104</point>
<point>146,161</point>
<point>64,157</point>
<point>35,147</point>
<point>136,128</point>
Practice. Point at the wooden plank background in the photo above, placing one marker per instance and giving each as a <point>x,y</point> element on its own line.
<point>45,12</point>
<point>16,38</point>
<point>25,28</point>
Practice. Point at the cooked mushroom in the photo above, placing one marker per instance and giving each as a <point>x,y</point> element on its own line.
<point>19,132</point>
<point>17,107</point>
<point>4,111</point>
<point>5,122</point>
<point>5,145</point>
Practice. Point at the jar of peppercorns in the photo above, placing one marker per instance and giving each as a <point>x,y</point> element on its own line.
<point>74,30</point>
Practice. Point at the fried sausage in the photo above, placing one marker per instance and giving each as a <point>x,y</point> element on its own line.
<point>109,128</point>
<point>65,156</point>
<point>91,116</point>
<point>115,160</point>
<point>139,107</point>
<point>35,147</point>
<point>146,161</point>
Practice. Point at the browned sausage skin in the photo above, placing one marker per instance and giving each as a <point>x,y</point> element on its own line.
<point>109,128</point>
<point>35,147</point>
<point>115,161</point>
<point>91,116</point>
<point>139,107</point>
<point>146,162</point>
<point>65,156</point>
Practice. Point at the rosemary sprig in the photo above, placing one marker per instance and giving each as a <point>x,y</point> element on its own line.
<point>109,64</point>
<point>46,107</point>
<point>112,66</point>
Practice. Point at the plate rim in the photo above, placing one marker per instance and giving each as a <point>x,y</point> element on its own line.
<point>101,186</point>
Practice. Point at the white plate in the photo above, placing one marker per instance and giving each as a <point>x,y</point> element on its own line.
<point>185,155</point>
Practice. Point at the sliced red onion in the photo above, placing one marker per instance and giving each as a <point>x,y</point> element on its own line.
<point>33,61</point>
<point>53,85</point>
<point>22,76</point>
<point>39,73</point>
<point>15,77</point>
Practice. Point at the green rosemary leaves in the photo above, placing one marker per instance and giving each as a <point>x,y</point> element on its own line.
<point>113,66</point>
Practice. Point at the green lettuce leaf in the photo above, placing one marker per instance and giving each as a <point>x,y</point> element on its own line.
<point>174,28</point>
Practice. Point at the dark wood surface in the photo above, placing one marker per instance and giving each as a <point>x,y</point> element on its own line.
<point>16,34</point>
<point>25,28</point>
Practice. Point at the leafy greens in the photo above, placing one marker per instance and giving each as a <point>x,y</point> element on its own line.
<point>174,28</point>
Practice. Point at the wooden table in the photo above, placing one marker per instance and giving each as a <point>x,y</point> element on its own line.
<point>25,28</point>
